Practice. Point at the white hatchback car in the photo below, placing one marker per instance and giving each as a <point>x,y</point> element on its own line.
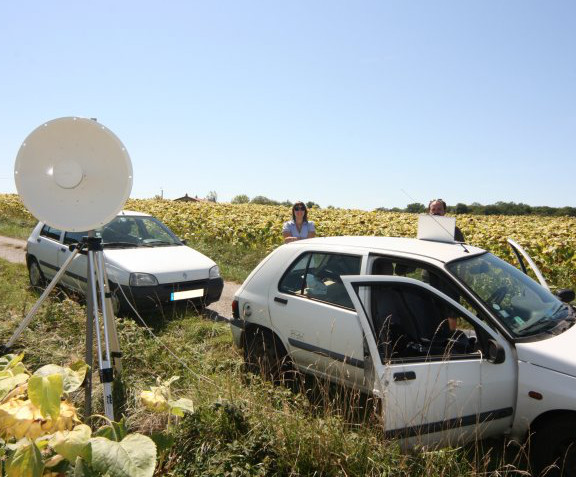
<point>454,343</point>
<point>146,263</point>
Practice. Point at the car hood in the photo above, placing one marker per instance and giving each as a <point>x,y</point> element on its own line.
<point>167,264</point>
<point>555,353</point>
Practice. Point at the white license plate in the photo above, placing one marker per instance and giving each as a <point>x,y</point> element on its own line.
<point>186,295</point>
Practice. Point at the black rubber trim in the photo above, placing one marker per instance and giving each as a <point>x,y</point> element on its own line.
<point>238,323</point>
<point>357,363</point>
<point>455,423</point>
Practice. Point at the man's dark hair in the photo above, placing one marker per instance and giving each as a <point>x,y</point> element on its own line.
<point>438,200</point>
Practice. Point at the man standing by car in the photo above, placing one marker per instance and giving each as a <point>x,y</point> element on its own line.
<point>438,207</point>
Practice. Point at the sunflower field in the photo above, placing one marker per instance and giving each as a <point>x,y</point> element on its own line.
<point>551,241</point>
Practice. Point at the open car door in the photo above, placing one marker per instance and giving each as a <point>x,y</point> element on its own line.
<point>435,384</point>
<point>522,255</point>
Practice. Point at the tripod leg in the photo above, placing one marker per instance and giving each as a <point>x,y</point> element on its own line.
<point>26,321</point>
<point>106,374</point>
<point>90,319</point>
<point>115,352</point>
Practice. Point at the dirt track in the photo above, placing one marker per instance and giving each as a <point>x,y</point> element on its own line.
<point>13,250</point>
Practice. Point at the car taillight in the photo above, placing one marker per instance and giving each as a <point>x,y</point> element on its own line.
<point>235,309</point>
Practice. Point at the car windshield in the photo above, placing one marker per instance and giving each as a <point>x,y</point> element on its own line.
<point>130,231</point>
<point>523,306</point>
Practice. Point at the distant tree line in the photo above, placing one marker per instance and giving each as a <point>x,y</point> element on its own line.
<point>260,199</point>
<point>499,208</point>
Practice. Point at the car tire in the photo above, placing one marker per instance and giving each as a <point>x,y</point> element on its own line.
<point>266,356</point>
<point>117,305</point>
<point>35,275</point>
<point>553,447</point>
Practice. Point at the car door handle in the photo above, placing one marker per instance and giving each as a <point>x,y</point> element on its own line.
<point>63,249</point>
<point>283,301</point>
<point>407,376</point>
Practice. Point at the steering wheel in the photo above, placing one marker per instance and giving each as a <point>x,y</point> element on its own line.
<point>497,295</point>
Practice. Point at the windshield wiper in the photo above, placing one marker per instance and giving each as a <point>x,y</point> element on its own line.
<point>158,243</point>
<point>550,322</point>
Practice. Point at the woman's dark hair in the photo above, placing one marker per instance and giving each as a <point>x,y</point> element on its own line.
<point>305,211</point>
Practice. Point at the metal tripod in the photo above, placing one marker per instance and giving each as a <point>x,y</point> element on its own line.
<point>97,293</point>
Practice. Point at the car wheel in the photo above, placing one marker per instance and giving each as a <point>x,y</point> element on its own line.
<point>117,304</point>
<point>35,275</point>
<point>553,448</point>
<point>265,355</point>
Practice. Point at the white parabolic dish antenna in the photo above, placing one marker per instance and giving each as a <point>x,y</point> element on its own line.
<point>73,174</point>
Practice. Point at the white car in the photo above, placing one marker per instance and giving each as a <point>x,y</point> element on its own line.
<point>454,343</point>
<point>147,265</point>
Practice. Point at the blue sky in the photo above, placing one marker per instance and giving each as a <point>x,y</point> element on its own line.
<point>353,104</point>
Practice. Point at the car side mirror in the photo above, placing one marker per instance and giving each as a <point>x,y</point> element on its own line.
<point>496,353</point>
<point>565,294</point>
<point>184,241</point>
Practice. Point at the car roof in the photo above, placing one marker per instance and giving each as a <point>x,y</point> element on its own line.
<point>126,213</point>
<point>442,251</point>
<point>132,212</point>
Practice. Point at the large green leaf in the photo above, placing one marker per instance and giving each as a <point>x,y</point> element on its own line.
<point>163,441</point>
<point>115,431</point>
<point>73,377</point>
<point>10,360</point>
<point>45,392</point>
<point>72,444</point>
<point>18,368</point>
<point>8,383</point>
<point>26,461</point>
<point>82,469</point>
<point>134,456</point>
<point>179,406</point>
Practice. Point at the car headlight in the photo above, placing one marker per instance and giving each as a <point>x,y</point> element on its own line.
<point>142,280</point>
<point>214,272</point>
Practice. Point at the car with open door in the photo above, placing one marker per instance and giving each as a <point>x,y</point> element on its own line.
<point>147,265</point>
<point>454,343</point>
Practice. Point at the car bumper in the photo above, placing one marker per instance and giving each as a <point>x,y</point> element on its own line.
<point>237,327</point>
<point>203,291</point>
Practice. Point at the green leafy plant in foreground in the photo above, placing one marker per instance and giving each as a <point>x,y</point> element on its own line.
<point>159,399</point>
<point>42,434</point>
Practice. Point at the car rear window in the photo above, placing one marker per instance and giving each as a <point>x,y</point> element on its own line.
<point>50,232</point>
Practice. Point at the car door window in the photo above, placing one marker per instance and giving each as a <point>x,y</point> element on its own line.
<point>427,274</point>
<point>316,275</point>
<point>414,324</point>
<point>50,232</point>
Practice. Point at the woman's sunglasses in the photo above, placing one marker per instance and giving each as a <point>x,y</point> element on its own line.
<point>299,207</point>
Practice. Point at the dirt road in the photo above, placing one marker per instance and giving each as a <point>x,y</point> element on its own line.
<point>13,250</point>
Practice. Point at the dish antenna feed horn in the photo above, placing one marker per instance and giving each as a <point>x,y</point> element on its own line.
<point>75,175</point>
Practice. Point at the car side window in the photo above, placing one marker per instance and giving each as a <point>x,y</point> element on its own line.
<point>316,275</point>
<point>413,324</point>
<point>50,232</point>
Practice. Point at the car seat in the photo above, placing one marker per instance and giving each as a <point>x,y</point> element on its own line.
<point>382,266</point>
<point>394,329</point>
